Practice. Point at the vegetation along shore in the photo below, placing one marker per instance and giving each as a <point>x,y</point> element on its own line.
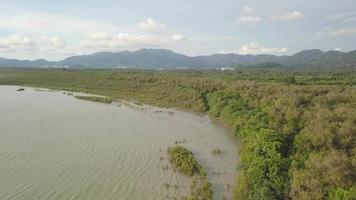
<point>297,129</point>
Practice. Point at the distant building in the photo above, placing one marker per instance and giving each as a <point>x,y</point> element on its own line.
<point>226,69</point>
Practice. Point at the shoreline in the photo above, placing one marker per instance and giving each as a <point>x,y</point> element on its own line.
<point>142,108</point>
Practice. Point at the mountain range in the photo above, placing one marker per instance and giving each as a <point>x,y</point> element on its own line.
<point>167,59</point>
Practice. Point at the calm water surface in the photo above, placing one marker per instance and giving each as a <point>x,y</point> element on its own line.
<point>53,146</point>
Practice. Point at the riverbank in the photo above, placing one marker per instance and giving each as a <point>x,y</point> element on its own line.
<point>91,150</point>
<point>272,114</point>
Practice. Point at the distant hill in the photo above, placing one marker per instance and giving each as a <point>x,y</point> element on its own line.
<point>314,59</point>
<point>144,58</point>
<point>4,62</point>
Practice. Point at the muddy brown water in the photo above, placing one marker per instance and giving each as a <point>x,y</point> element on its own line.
<point>54,146</point>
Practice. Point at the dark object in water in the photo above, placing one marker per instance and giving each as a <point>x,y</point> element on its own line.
<point>218,151</point>
<point>20,89</point>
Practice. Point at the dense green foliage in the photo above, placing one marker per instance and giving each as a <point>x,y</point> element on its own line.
<point>341,194</point>
<point>298,130</point>
<point>265,168</point>
<point>185,162</point>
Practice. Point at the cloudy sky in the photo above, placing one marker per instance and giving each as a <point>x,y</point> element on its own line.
<point>54,29</point>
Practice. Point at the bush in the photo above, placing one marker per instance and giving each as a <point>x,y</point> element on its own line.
<point>184,160</point>
<point>322,172</point>
<point>342,194</point>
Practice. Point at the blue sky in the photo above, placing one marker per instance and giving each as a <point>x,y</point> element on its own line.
<point>56,29</point>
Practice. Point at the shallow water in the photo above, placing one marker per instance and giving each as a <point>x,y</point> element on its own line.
<point>53,146</point>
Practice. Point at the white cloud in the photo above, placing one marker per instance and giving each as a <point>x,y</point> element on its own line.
<point>147,24</point>
<point>126,40</point>
<point>337,49</point>
<point>58,42</point>
<point>16,42</point>
<point>114,41</point>
<point>152,26</point>
<point>255,48</point>
<point>248,16</point>
<point>178,37</point>
<point>100,36</point>
<point>248,19</point>
<point>345,17</point>
<point>47,31</point>
<point>294,15</point>
<point>343,32</point>
<point>147,33</point>
<point>43,46</point>
<point>45,23</point>
<point>248,9</point>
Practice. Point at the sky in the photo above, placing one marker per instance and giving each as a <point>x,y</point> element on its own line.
<point>53,29</point>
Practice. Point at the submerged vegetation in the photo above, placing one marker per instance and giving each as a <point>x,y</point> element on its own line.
<point>298,130</point>
<point>185,162</point>
<point>217,151</point>
<point>95,99</point>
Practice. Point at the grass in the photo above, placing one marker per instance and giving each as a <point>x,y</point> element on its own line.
<point>95,99</point>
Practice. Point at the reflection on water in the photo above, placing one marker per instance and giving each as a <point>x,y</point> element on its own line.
<point>53,146</point>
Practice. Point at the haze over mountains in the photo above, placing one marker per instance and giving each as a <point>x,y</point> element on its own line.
<point>167,59</point>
